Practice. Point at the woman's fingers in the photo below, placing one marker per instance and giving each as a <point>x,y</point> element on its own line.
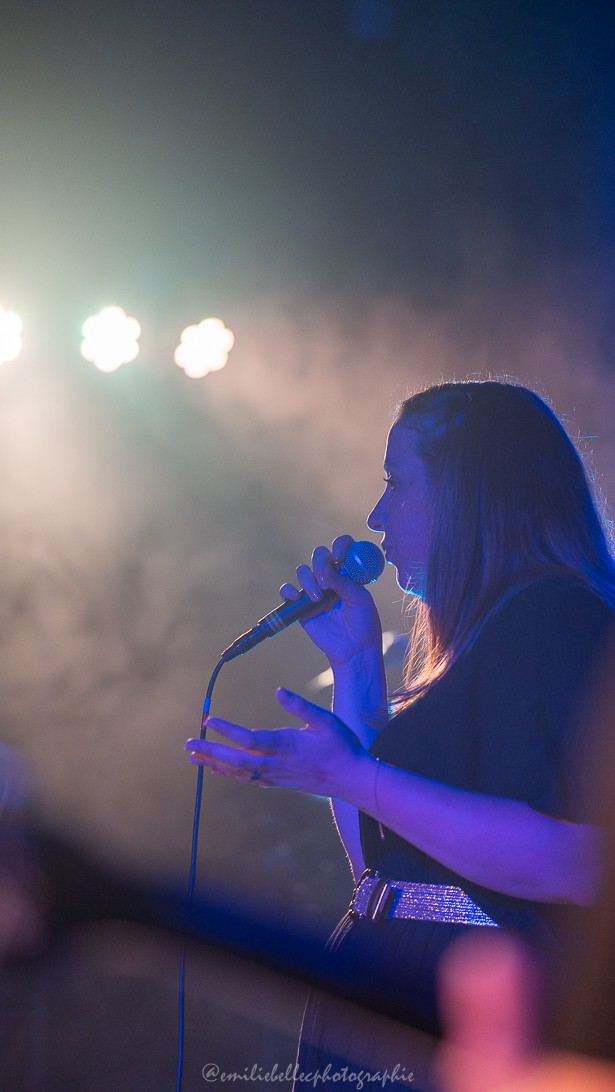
<point>262,761</point>
<point>294,758</point>
<point>326,565</point>
<point>309,583</point>
<point>340,547</point>
<point>261,741</point>
<point>323,572</point>
<point>219,753</point>
<point>289,591</point>
<point>306,710</point>
<point>243,737</point>
<point>228,761</point>
<point>322,566</point>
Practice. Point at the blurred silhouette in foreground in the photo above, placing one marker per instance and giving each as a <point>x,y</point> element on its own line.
<point>23,895</point>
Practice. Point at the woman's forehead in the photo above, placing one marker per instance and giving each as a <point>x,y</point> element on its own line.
<point>402,445</point>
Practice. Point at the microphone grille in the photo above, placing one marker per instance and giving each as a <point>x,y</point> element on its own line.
<point>363,562</point>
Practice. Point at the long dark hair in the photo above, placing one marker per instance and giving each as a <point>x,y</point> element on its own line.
<point>513,504</point>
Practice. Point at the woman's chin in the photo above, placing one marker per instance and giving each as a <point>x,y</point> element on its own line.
<point>411,583</point>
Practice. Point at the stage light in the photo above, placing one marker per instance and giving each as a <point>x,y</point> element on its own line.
<point>204,348</point>
<point>111,338</point>
<point>10,335</point>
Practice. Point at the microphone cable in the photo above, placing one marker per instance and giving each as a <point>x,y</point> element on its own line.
<point>192,877</point>
<point>363,562</point>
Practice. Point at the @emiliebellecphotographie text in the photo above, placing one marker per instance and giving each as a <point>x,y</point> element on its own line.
<point>345,1075</point>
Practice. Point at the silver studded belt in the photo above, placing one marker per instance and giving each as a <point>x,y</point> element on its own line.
<point>379,899</point>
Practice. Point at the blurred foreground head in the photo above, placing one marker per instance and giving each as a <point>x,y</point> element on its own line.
<point>489,990</point>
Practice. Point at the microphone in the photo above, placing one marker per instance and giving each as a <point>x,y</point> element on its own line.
<point>363,562</point>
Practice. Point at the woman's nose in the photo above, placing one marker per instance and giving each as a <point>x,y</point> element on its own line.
<point>375,520</point>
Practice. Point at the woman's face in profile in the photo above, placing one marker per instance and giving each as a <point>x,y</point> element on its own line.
<point>404,513</point>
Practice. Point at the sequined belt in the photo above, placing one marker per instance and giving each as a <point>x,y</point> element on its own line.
<point>378,899</point>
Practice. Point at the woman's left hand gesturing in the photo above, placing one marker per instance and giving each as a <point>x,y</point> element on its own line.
<point>324,757</point>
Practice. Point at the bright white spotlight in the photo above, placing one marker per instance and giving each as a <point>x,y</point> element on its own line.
<point>10,335</point>
<point>204,348</point>
<point>110,339</point>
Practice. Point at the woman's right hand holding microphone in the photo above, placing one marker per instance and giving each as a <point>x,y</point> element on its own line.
<point>352,627</point>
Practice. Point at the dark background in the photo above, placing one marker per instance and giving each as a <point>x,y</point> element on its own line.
<point>372,196</point>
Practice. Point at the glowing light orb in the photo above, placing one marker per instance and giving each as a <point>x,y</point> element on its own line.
<point>110,339</point>
<point>204,348</point>
<point>10,335</point>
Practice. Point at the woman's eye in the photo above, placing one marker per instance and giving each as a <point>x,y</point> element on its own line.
<point>390,482</point>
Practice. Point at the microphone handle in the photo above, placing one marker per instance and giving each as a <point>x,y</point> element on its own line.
<point>279,619</point>
<point>293,610</point>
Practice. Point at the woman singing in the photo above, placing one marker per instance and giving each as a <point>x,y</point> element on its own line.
<point>460,811</point>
